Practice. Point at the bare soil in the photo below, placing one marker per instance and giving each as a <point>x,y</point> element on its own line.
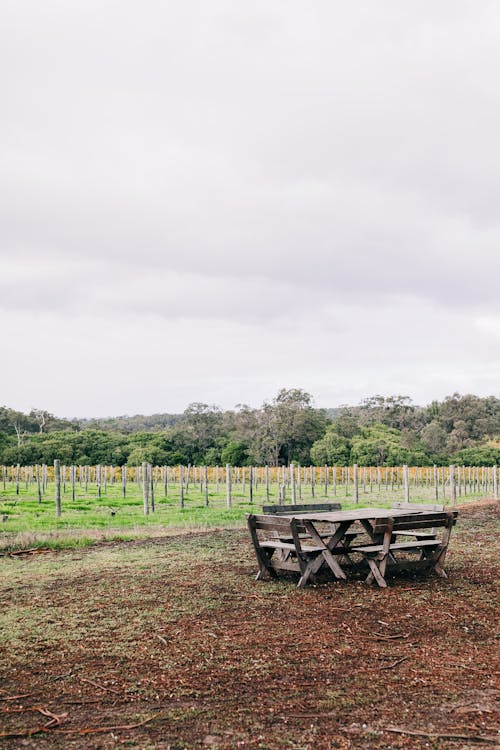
<point>169,643</point>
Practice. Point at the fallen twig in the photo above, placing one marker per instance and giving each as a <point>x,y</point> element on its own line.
<point>383,637</point>
<point>116,727</point>
<point>440,736</point>
<point>55,721</point>
<point>101,687</point>
<point>31,551</point>
<point>395,664</point>
<point>162,639</point>
<point>16,697</point>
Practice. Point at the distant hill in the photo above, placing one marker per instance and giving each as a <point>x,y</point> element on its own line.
<point>136,423</point>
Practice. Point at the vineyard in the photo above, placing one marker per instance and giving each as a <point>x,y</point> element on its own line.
<point>120,502</point>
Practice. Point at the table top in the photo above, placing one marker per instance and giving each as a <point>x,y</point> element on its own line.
<point>356,514</point>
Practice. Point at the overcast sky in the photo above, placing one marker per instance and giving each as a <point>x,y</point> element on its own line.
<point>210,200</point>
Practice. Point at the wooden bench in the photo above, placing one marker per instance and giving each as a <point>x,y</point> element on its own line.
<point>270,534</point>
<point>418,507</point>
<point>431,552</point>
<point>304,508</point>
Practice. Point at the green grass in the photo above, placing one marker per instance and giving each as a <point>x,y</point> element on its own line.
<point>24,521</point>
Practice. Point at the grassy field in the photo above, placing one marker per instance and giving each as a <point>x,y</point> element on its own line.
<point>170,644</point>
<point>89,517</point>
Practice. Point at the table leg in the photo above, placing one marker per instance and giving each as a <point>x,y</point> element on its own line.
<point>327,555</point>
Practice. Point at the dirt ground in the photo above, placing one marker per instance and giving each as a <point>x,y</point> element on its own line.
<point>171,643</point>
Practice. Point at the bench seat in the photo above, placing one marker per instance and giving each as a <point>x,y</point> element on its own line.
<point>420,529</point>
<point>279,544</point>
<point>397,546</point>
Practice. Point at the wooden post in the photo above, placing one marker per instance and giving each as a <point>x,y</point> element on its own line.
<point>436,483</point>
<point>18,478</point>
<point>326,480</point>
<point>292,479</point>
<point>453,490</point>
<point>57,480</point>
<point>181,486</point>
<point>282,494</point>
<point>356,483</point>
<point>98,479</point>
<point>267,483</point>
<point>205,479</point>
<point>38,484</point>
<point>406,482</point>
<point>166,478</point>
<point>495,482</point>
<point>151,480</point>
<point>251,484</point>
<point>124,480</point>
<point>229,499</point>
<point>145,488</point>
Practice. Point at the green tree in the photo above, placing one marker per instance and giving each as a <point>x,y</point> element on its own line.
<point>289,427</point>
<point>381,445</point>
<point>332,449</point>
<point>235,453</point>
<point>479,455</point>
<point>433,437</point>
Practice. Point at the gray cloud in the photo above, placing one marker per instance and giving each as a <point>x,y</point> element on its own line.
<point>280,165</point>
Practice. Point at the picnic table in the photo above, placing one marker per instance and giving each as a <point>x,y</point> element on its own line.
<point>306,541</point>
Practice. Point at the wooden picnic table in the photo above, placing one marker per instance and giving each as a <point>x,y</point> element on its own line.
<point>343,520</point>
<point>382,546</point>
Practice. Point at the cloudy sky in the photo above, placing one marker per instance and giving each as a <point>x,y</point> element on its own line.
<point>209,200</point>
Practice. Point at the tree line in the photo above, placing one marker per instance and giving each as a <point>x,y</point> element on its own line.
<point>381,430</point>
